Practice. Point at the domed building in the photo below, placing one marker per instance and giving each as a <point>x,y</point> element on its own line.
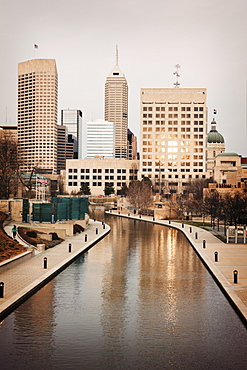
<point>215,146</point>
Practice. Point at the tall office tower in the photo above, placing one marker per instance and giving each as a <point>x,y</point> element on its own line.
<point>116,107</point>
<point>72,118</point>
<point>37,115</point>
<point>132,145</point>
<point>173,136</point>
<point>65,150</point>
<point>100,139</point>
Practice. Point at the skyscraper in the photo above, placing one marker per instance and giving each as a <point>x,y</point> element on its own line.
<point>116,107</point>
<point>72,118</point>
<point>173,136</point>
<point>37,115</point>
<point>100,139</point>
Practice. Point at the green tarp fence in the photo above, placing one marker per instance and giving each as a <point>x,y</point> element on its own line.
<point>60,209</point>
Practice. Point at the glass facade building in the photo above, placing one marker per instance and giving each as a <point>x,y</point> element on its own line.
<point>100,139</point>
<point>72,119</point>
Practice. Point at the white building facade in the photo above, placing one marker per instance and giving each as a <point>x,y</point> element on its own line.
<point>173,136</point>
<point>100,139</point>
<point>100,172</point>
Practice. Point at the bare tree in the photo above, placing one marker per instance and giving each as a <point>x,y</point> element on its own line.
<point>8,165</point>
<point>140,194</point>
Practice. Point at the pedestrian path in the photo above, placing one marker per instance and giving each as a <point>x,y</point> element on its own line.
<point>226,262</point>
<point>24,279</point>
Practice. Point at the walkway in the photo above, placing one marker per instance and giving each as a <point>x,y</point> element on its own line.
<point>23,280</point>
<point>230,257</point>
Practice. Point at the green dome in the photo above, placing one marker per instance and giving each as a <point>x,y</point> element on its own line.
<point>214,136</point>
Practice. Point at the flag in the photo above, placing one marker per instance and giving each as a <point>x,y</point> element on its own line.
<point>42,181</point>
<point>36,46</point>
<point>215,111</point>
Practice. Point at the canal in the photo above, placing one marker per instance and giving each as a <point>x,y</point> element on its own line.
<point>139,299</point>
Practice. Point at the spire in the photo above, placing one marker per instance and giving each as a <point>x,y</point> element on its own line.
<point>116,54</point>
<point>116,70</point>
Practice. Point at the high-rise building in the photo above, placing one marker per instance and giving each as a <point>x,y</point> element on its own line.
<point>72,118</point>
<point>173,136</point>
<point>37,115</point>
<point>132,145</point>
<point>65,150</point>
<point>116,107</point>
<point>100,139</point>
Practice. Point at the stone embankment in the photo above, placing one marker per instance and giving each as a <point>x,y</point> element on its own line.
<point>226,262</point>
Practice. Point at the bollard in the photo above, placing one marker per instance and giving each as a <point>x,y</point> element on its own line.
<point>204,243</point>
<point>119,213</point>
<point>235,276</point>
<point>182,226</point>
<point>45,262</point>
<point>190,229</point>
<point>96,230</point>
<point>104,226</point>
<point>94,220</point>
<point>140,216</point>
<point>153,218</point>
<point>196,235</point>
<point>102,222</point>
<point>85,237</point>
<point>128,214</point>
<point>215,256</point>
<point>69,247</point>
<point>2,289</point>
<point>169,222</point>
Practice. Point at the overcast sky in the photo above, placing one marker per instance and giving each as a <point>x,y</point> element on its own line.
<point>207,38</point>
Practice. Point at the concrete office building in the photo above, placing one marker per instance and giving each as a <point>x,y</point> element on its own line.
<point>173,136</point>
<point>72,119</point>
<point>116,107</point>
<point>99,172</point>
<point>37,115</point>
<point>100,139</point>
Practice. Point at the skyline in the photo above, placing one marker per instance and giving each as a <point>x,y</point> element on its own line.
<point>205,39</point>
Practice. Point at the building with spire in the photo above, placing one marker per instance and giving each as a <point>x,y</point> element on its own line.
<point>37,115</point>
<point>116,107</point>
<point>215,146</point>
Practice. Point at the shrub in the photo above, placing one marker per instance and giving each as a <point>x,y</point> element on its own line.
<point>32,234</point>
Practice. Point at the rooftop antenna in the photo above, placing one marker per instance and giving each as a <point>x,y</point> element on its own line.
<point>177,66</point>
<point>117,55</point>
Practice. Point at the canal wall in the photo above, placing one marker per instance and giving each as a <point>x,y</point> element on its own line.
<point>220,259</point>
<point>26,278</point>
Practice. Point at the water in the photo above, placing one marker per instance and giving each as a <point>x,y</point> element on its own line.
<point>139,299</point>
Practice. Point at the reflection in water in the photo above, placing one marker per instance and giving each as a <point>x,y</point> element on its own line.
<point>139,299</point>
